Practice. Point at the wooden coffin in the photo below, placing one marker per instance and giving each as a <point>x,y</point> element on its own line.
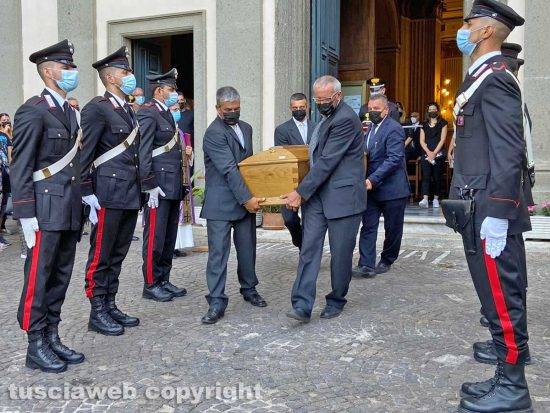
<point>275,172</point>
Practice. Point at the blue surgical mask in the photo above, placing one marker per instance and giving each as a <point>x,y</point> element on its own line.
<point>172,99</point>
<point>129,84</point>
<point>176,115</point>
<point>463,41</point>
<point>69,80</point>
<point>140,100</point>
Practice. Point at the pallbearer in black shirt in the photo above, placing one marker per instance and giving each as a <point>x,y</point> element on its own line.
<point>489,168</point>
<point>111,187</point>
<point>45,174</point>
<point>160,157</point>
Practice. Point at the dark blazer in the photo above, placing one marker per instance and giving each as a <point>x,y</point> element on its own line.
<point>42,135</point>
<point>225,191</point>
<point>116,183</point>
<point>338,171</point>
<point>386,167</point>
<point>287,133</point>
<point>490,149</point>
<point>156,128</point>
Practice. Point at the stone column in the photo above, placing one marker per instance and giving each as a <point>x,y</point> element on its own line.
<point>11,75</point>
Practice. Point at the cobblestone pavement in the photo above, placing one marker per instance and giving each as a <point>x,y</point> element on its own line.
<point>403,343</point>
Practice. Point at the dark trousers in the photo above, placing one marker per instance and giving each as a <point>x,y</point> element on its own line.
<point>342,233</point>
<point>219,244</point>
<point>294,225</point>
<point>110,241</point>
<point>501,285</point>
<point>432,172</point>
<point>394,215</point>
<point>159,240</point>
<point>48,270</point>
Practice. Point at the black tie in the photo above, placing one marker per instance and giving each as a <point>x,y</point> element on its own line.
<point>66,109</point>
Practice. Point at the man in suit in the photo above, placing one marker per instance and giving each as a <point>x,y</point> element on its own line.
<point>228,204</point>
<point>160,163</point>
<point>333,194</point>
<point>45,174</point>
<point>295,131</point>
<point>378,87</point>
<point>111,187</point>
<point>490,169</point>
<point>388,189</point>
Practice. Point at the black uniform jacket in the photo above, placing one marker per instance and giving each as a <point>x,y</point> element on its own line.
<point>490,149</point>
<point>157,127</point>
<point>116,183</point>
<point>43,133</point>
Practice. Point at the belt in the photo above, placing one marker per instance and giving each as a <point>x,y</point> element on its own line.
<point>117,150</point>
<point>59,165</point>
<point>168,147</point>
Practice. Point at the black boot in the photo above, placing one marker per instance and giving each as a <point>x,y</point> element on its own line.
<point>156,292</point>
<point>40,355</point>
<point>484,322</point>
<point>61,350</point>
<point>119,316</point>
<point>508,394</point>
<point>172,289</point>
<point>100,320</point>
<point>484,352</point>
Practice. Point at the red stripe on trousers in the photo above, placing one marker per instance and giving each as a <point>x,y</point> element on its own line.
<point>97,254</point>
<point>31,282</point>
<point>502,310</point>
<point>150,245</point>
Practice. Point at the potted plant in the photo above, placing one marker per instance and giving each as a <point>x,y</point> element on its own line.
<point>198,199</point>
<point>272,217</point>
<point>540,221</point>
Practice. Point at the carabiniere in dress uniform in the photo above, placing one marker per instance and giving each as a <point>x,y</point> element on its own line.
<point>47,201</point>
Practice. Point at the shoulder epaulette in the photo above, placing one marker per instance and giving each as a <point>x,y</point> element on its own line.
<point>499,66</point>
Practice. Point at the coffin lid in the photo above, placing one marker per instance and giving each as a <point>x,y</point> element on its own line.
<point>278,155</point>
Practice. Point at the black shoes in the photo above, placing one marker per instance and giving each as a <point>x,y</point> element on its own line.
<point>508,393</point>
<point>172,289</point>
<point>255,299</point>
<point>100,320</point>
<point>382,268</point>
<point>484,352</point>
<point>299,314</point>
<point>119,316</point>
<point>179,254</point>
<point>484,322</point>
<point>156,292</point>
<point>61,350</point>
<point>40,356</point>
<point>212,316</point>
<point>330,312</point>
<point>362,271</point>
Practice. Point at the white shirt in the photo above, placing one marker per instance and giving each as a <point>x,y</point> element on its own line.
<point>162,105</point>
<point>302,128</point>
<point>482,60</point>
<point>239,133</point>
<point>120,101</point>
<point>60,99</point>
<point>375,130</point>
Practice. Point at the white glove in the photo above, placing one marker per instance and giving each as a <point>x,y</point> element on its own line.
<point>94,207</point>
<point>154,197</point>
<point>494,231</point>
<point>29,226</point>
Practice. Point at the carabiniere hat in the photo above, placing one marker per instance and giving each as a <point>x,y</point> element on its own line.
<point>495,10</point>
<point>168,78</point>
<point>116,59</point>
<point>61,52</point>
<point>375,84</point>
<point>510,52</point>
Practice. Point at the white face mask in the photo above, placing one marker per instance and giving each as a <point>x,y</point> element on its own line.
<point>414,120</point>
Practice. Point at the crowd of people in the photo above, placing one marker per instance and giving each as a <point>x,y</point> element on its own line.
<point>119,154</point>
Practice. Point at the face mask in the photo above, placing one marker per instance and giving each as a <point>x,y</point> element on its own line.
<point>414,120</point>
<point>299,114</point>
<point>176,115</point>
<point>463,41</point>
<point>140,100</point>
<point>128,84</point>
<point>433,115</point>
<point>375,116</point>
<point>69,80</point>
<point>172,99</point>
<point>231,118</point>
<point>325,109</point>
